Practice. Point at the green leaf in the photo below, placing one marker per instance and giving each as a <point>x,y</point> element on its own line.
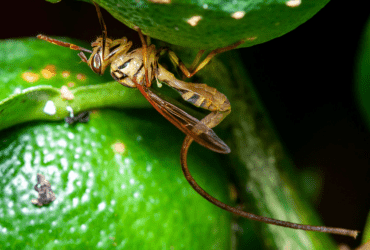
<point>210,24</point>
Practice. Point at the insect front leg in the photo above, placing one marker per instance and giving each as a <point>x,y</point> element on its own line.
<point>122,46</point>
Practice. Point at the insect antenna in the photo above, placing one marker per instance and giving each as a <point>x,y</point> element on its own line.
<point>63,44</point>
<point>184,151</point>
<point>103,27</point>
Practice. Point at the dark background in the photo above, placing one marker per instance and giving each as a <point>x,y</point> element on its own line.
<point>305,80</point>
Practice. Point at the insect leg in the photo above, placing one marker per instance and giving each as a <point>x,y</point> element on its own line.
<point>184,151</point>
<point>196,60</point>
<point>123,47</point>
<point>83,57</point>
<point>191,71</point>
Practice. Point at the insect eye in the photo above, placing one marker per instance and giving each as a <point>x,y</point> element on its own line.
<point>96,64</point>
<point>122,66</point>
<point>125,65</point>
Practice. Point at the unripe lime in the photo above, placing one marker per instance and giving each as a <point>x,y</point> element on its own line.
<point>118,185</point>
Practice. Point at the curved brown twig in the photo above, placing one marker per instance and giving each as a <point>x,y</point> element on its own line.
<point>184,151</point>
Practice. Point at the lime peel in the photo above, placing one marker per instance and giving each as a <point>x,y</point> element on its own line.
<point>214,24</point>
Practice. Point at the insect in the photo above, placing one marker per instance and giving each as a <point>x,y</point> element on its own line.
<point>46,195</point>
<point>138,68</point>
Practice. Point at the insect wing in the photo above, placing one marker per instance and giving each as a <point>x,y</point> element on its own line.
<point>185,122</point>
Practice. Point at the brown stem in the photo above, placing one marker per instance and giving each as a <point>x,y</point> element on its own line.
<point>184,151</point>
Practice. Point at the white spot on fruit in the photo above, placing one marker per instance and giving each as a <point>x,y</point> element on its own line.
<point>193,21</point>
<point>64,163</point>
<point>62,143</point>
<point>48,72</point>
<point>30,77</point>
<point>149,168</point>
<point>66,74</point>
<point>70,135</point>
<point>118,147</point>
<point>101,206</point>
<point>66,93</point>
<point>48,158</point>
<point>50,108</point>
<point>84,198</point>
<point>238,14</point>
<point>75,202</point>
<point>293,3</point>
<point>40,140</point>
<point>81,77</point>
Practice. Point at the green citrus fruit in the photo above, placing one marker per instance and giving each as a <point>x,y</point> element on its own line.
<point>117,179</point>
<point>210,24</point>
<point>118,185</point>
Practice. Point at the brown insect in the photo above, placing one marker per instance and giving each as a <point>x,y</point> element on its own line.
<point>137,69</point>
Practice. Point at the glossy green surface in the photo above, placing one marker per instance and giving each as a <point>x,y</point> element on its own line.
<point>81,163</point>
<point>137,199</point>
<point>32,73</point>
<point>216,23</point>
